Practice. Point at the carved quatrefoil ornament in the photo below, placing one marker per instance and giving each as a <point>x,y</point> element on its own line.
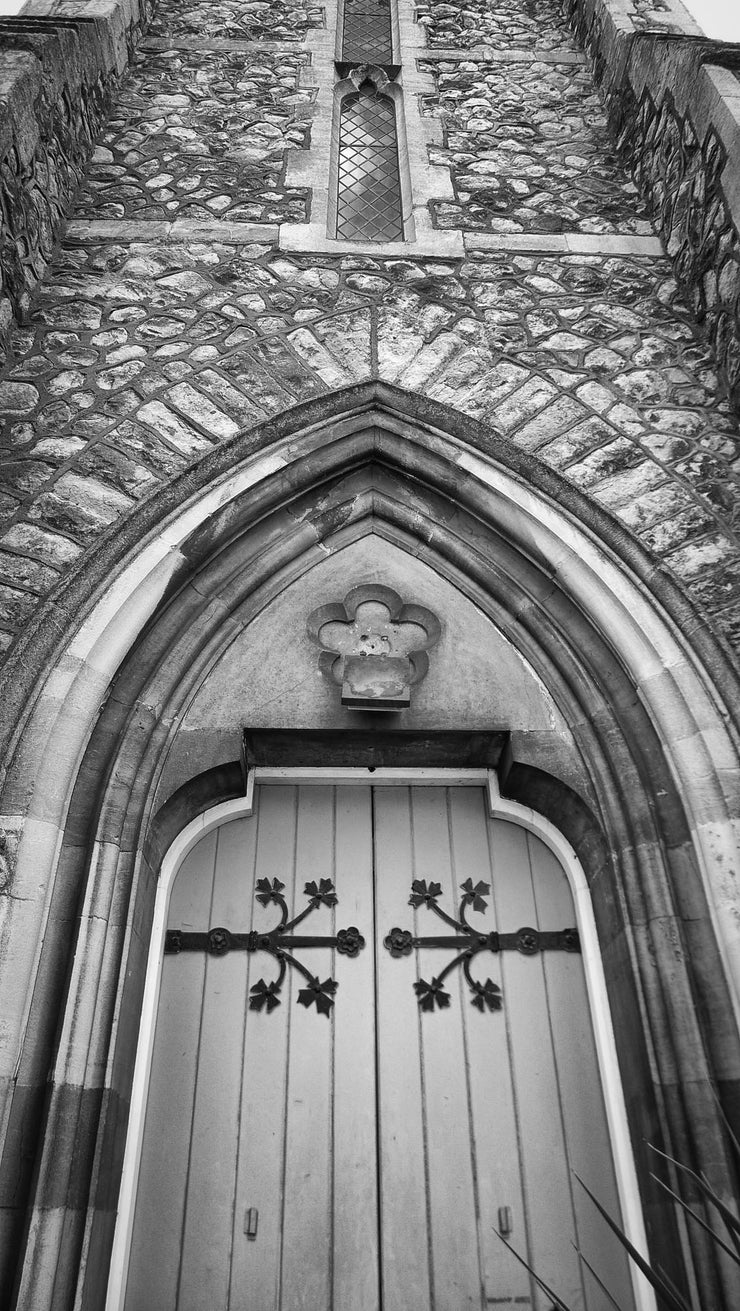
<point>374,646</point>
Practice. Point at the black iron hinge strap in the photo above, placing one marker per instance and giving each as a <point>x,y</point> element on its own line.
<point>469,942</point>
<point>280,943</point>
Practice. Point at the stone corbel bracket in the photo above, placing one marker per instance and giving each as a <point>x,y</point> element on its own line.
<point>374,645</point>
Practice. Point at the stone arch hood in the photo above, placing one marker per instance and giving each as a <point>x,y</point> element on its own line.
<point>417,429</point>
<point>269,676</point>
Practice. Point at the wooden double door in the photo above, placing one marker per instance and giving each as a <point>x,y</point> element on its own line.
<point>376,1150</point>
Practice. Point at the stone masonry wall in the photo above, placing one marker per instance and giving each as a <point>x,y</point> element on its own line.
<point>172,317</point>
<point>174,314</point>
<point>673,101</point>
<point>144,355</point>
<point>169,147</point>
<point>58,77</point>
<point>529,150</point>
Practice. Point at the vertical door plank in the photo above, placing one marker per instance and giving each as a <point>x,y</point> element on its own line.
<point>208,1229</point>
<point>356,1269</point>
<point>547,1180</point>
<point>255,1277</point>
<point>403,1207</point>
<point>584,1114</point>
<point>154,1262</point>
<point>307,1228</point>
<point>496,1134</point>
<point>450,1146</point>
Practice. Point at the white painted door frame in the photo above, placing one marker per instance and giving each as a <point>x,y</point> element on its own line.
<point>500,808</point>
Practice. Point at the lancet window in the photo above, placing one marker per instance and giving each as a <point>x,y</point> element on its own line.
<point>370,197</point>
<point>368,185</point>
<point>367,32</point>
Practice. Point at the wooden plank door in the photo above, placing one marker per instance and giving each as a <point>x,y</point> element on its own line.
<point>483,1112</point>
<point>377,1146</point>
<point>273,1112</point>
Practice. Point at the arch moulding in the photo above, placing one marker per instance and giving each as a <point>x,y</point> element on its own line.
<point>643,687</point>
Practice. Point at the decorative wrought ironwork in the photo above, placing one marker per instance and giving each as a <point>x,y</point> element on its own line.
<point>488,995</point>
<point>280,942</point>
<point>369,186</point>
<point>367,32</point>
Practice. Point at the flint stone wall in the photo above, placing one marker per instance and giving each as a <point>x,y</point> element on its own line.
<point>174,319</point>
<point>143,356</point>
<point>202,135</point>
<point>673,101</point>
<point>60,66</point>
<point>150,341</point>
<point>529,150</point>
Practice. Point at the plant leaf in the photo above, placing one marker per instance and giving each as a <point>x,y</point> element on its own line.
<point>720,1241</point>
<point>731,1221</point>
<point>664,1275</point>
<point>674,1301</point>
<point>557,1301</point>
<point>599,1281</point>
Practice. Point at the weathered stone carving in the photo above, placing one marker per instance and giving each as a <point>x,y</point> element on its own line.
<point>374,646</point>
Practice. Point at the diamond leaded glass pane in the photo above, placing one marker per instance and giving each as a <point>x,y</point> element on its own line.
<point>366,33</point>
<point>369,191</point>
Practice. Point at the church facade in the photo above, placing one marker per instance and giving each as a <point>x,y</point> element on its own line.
<point>369,904</point>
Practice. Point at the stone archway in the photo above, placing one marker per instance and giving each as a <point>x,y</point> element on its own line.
<point>560,582</point>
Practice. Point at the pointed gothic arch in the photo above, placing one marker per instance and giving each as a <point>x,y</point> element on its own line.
<point>641,687</point>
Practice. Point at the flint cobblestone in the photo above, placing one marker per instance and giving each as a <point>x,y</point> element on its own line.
<point>202,136</point>
<point>144,354</point>
<point>246,20</point>
<point>57,82</point>
<point>590,363</point>
<point>507,24</point>
<point>529,151</point>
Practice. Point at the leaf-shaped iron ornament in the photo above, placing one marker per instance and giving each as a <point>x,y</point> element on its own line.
<point>267,891</point>
<point>431,994</point>
<point>320,995</point>
<point>280,942</point>
<point>469,942</point>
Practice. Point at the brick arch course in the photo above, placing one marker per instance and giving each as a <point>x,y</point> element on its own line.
<point>563,584</point>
